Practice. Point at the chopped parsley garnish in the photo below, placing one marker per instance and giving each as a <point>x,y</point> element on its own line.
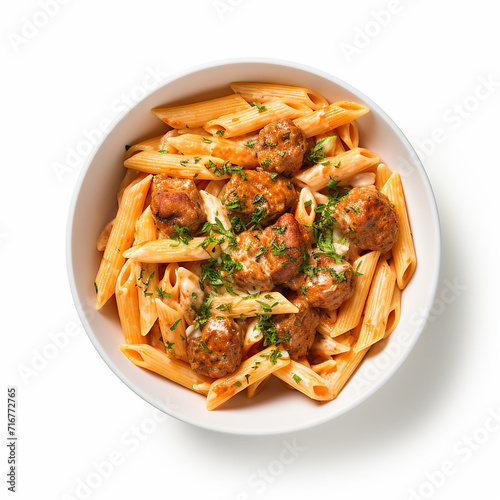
<point>275,355</point>
<point>95,286</point>
<point>207,141</point>
<point>271,336</point>
<point>163,151</point>
<point>265,307</point>
<point>161,293</point>
<point>236,203</point>
<point>317,154</point>
<point>259,198</point>
<point>357,273</point>
<point>262,251</point>
<point>203,313</point>
<point>247,376</point>
<point>307,204</point>
<point>169,346</point>
<point>278,249</point>
<point>259,106</point>
<point>332,183</point>
<point>251,144</point>
<point>183,235</point>
<point>194,295</point>
<point>197,159</point>
<point>279,229</point>
<point>257,217</point>
<point>237,224</point>
<point>282,153</point>
<point>220,133</point>
<point>303,290</point>
<point>205,347</point>
<point>273,176</point>
<point>224,307</point>
<point>237,383</point>
<point>296,378</point>
<point>174,326</point>
<point>270,144</point>
<point>266,162</point>
<point>218,274</point>
<point>148,294</point>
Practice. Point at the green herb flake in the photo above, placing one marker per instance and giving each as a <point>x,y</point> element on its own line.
<point>163,151</point>
<point>307,204</point>
<point>237,383</point>
<point>296,378</point>
<point>207,141</point>
<point>251,144</point>
<point>275,355</point>
<point>266,162</point>
<point>205,347</point>
<point>259,106</point>
<point>220,133</point>
<point>161,293</point>
<point>95,286</point>
<point>174,326</point>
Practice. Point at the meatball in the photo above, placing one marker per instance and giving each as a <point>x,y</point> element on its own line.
<point>217,350</point>
<point>271,256</point>
<point>300,327</point>
<point>367,217</point>
<point>281,147</point>
<point>325,284</point>
<point>176,201</point>
<point>257,192</point>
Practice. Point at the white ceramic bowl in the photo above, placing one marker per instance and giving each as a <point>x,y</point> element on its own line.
<point>276,409</point>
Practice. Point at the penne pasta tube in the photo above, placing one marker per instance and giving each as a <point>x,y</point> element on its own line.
<point>131,177</point>
<point>214,209</point>
<point>382,176</point>
<point>349,134</point>
<point>305,380</point>
<point>337,167</point>
<point>377,307</point>
<point>403,251</point>
<point>169,285</point>
<point>347,362</point>
<point>191,144</point>
<point>154,338</point>
<point>255,388</point>
<point>120,239</point>
<point>214,187</point>
<point>304,213</point>
<point>325,347</point>
<point>198,113</point>
<point>251,370</point>
<point>128,305</point>
<point>154,144</point>
<point>350,311</point>
<point>185,166</point>
<point>147,290</point>
<point>173,331</point>
<point>190,294</point>
<point>325,368</point>
<point>167,250</point>
<point>394,312</point>
<point>333,116</point>
<point>253,336</point>
<point>177,371</point>
<point>254,118</point>
<point>234,306</point>
<point>264,92</point>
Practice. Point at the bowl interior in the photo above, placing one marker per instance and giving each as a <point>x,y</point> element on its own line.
<point>94,204</point>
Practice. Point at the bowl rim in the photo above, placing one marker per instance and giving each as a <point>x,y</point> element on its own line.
<point>310,423</point>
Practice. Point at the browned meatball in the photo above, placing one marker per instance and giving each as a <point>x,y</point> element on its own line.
<point>300,327</point>
<point>325,284</point>
<point>367,217</point>
<point>281,147</point>
<point>218,350</point>
<point>176,202</point>
<point>271,256</point>
<point>258,193</point>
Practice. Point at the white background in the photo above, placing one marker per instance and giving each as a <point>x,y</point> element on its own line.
<point>84,63</point>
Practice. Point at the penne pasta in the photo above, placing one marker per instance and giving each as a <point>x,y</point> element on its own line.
<point>305,380</point>
<point>154,144</point>
<point>256,387</point>
<point>403,250</point>
<point>128,305</point>
<point>333,116</point>
<point>382,176</point>
<point>337,167</point>
<point>173,330</point>
<point>394,312</point>
<point>177,371</point>
<point>191,144</point>
<point>349,134</point>
<point>236,306</point>
<point>169,285</point>
<point>185,166</point>
<point>254,118</point>
<point>253,336</point>
<point>264,92</point>
<point>251,370</point>
<point>103,237</point>
<point>167,250</point>
<point>350,311</point>
<point>377,307</point>
<point>120,239</point>
<point>304,213</point>
<point>198,113</point>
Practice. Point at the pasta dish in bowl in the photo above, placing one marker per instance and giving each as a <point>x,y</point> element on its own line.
<point>262,241</point>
